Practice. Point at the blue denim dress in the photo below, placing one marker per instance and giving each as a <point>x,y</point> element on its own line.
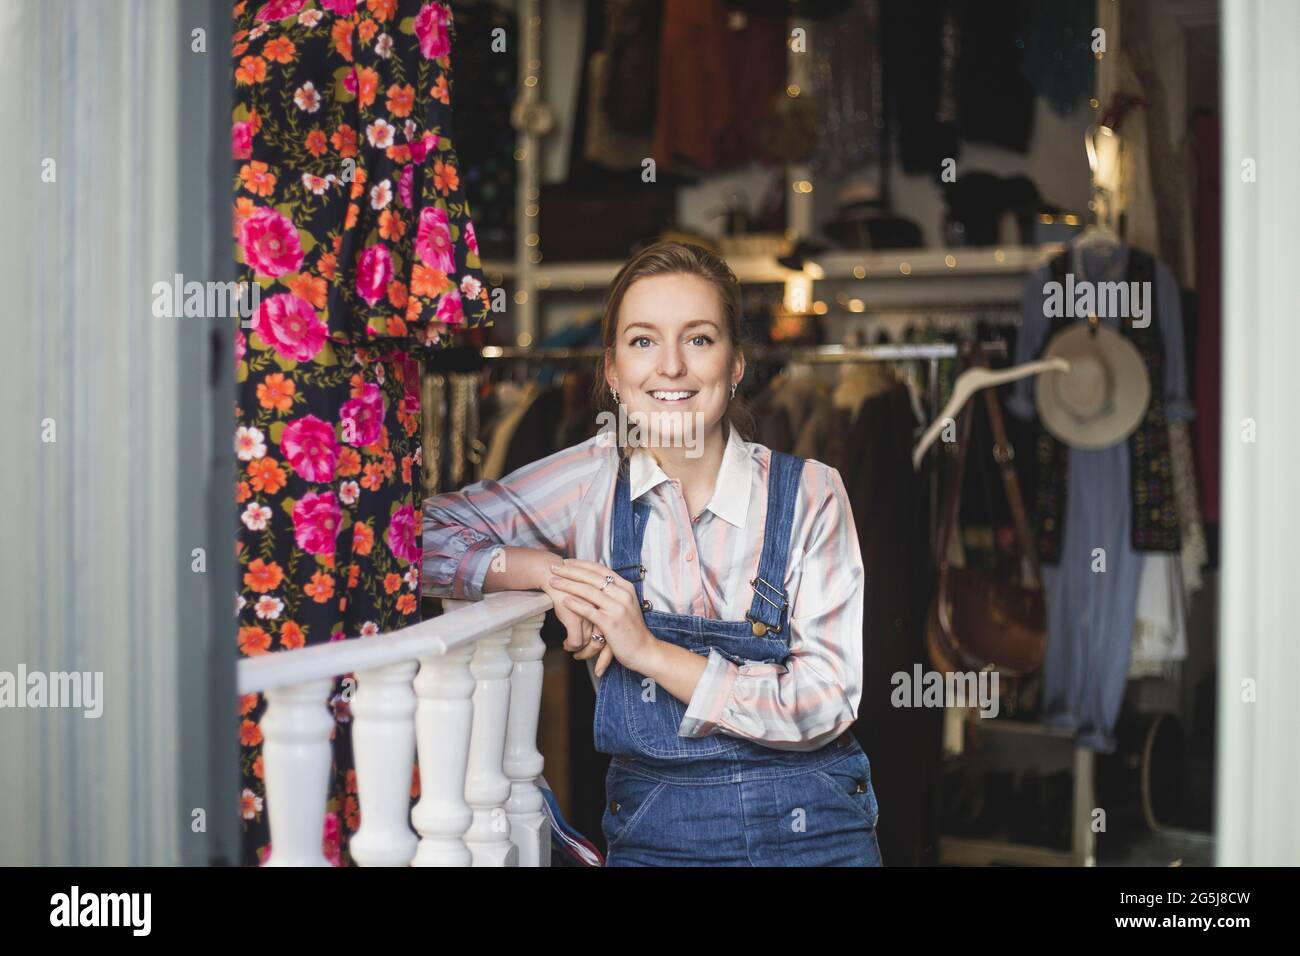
<point>722,800</point>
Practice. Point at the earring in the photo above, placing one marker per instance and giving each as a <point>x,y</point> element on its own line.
<point>733,389</point>
<point>615,394</point>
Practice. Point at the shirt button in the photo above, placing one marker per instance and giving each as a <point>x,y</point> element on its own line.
<point>690,555</point>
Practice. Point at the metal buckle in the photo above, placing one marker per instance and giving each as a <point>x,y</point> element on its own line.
<point>753,583</point>
<point>640,568</point>
<point>760,629</point>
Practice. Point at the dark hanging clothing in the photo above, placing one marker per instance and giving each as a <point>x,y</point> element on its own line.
<point>891,512</point>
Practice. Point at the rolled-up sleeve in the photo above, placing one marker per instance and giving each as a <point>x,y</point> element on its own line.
<point>532,507</point>
<point>814,696</point>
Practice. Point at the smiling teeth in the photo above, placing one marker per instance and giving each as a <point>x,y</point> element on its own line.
<point>671,396</point>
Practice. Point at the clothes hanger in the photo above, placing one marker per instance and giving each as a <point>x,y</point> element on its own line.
<point>971,381</point>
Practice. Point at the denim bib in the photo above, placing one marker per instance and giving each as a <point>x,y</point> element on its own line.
<point>635,717</point>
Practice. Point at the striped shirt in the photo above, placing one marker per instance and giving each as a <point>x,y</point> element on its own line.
<point>564,503</point>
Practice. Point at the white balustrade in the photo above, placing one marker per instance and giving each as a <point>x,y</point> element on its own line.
<point>463,691</point>
<point>383,748</point>
<point>296,767</point>
<point>530,829</point>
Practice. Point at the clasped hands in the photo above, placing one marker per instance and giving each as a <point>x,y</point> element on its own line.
<point>588,604</point>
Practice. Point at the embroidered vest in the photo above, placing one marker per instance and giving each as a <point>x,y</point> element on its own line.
<point>1154,522</point>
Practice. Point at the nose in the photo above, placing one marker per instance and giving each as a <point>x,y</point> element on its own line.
<point>671,361</point>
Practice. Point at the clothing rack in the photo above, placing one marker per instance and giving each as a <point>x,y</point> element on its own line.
<point>817,354</point>
<point>932,353</point>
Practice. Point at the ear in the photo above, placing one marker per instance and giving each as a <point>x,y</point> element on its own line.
<point>611,377</point>
<point>738,368</point>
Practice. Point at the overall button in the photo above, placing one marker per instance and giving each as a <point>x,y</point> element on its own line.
<point>613,806</point>
<point>862,787</point>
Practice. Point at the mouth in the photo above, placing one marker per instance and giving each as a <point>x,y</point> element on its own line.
<point>671,397</point>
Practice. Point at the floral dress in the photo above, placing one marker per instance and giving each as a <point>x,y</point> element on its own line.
<point>350,218</point>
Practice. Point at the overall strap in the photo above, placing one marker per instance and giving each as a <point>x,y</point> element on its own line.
<point>629,532</point>
<point>768,610</point>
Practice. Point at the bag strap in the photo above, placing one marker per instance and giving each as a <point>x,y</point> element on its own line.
<point>1004,454</point>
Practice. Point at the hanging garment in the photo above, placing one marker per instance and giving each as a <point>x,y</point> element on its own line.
<point>1160,631</point>
<point>716,86</point>
<point>891,514</point>
<point>1154,515</point>
<point>1195,552</point>
<point>349,213</point>
<point>1091,612</point>
<point>1059,61</point>
<point>483,121</point>
<point>847,82</point>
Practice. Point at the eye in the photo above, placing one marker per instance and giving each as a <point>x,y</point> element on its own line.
<point>639,338</point>
<point>701,339</point>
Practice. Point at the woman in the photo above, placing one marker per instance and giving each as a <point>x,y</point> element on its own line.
<point>715,585</point>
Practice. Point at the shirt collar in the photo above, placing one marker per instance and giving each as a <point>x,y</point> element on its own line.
<point>731,491</point>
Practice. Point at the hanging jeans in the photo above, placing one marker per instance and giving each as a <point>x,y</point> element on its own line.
<point>721,800</point>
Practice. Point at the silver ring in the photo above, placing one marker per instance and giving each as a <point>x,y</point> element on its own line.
<point>598,638</point>
<point>609,579</point>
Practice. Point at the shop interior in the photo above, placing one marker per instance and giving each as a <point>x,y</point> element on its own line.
<point>896,184</point>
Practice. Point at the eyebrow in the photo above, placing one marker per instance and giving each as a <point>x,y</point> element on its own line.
<point>690,324</point>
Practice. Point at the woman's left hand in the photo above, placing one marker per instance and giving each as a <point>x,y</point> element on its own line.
<point>612,609</point>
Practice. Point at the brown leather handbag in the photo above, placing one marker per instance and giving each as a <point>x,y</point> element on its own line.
<point>977,620</point>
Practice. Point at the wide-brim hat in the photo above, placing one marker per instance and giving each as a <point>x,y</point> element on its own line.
<point>1103,398</point>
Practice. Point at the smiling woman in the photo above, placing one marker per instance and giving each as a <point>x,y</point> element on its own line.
<point>724,683</point>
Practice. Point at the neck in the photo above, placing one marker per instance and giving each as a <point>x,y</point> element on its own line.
<point>698,474</point>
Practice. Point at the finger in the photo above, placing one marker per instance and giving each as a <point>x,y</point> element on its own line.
<point>591,595</point>
<point>602,664</point>
<point>594,566</point>
<point>586,610</point>
<point>599,572</point>
<point>591,650</point>
<point>592,574</point>
<point>580,634</point>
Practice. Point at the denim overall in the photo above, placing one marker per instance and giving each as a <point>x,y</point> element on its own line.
<point>720,800</point>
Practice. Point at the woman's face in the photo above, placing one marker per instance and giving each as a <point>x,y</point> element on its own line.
<point>672,354</point>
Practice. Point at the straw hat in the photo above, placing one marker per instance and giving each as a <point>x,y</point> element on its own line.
<point>1104,395</point>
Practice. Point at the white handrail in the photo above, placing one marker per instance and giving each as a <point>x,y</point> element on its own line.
<point>463,689</point>
<point>435,636</point>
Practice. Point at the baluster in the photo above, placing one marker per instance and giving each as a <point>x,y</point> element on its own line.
<point>530,828</point>
<point>296,763</point>
<point>383,746</point>
<point>486,786</point>
<point>443,722</point>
